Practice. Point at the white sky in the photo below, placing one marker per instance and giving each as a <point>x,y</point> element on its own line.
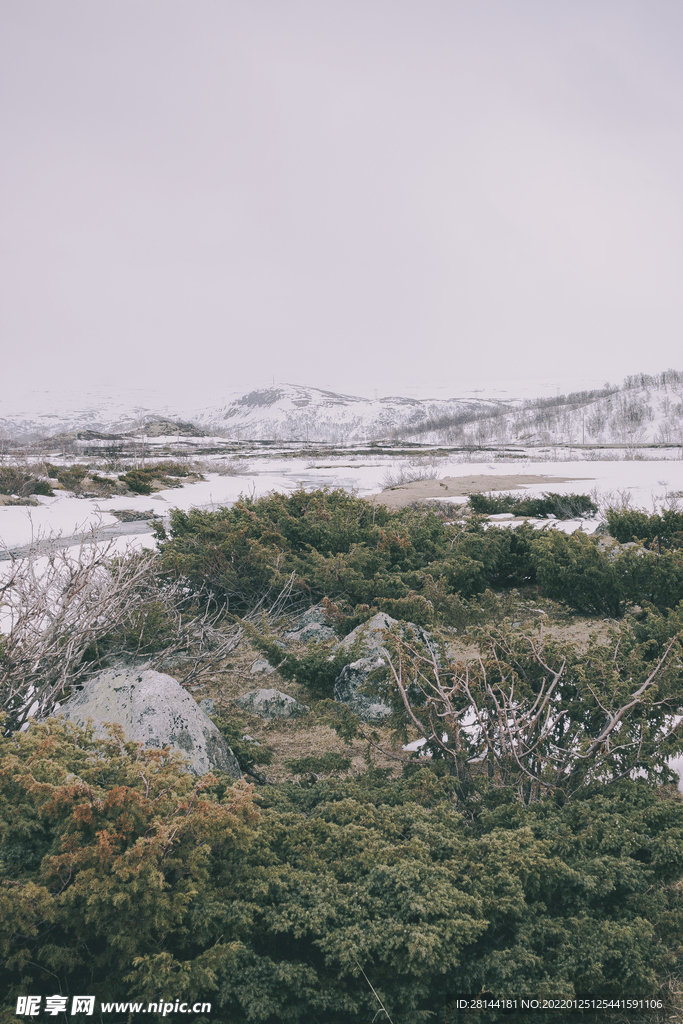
<point>353,194</point>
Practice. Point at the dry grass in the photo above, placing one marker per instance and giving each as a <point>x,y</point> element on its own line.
<point>312,735</point>
<point>234,466</point>
<point>287,738</point>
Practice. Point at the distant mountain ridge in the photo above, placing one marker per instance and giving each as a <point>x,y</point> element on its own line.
<point>291,412</point>
<point>284,412</point>
<point>642,409</point>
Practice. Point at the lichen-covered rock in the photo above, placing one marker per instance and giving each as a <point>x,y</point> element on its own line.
<point>349,686</point>
<point>370,634</point>
<point>271,704</point>
<point>352,686</point>
<point>261,665</point>
<point>312,625</point>
<point>312,631</point>
<point>152,708</point>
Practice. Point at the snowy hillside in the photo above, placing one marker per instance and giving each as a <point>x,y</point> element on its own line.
<point>643,409</point>
<point>279,412</point>
<point>292,412</point>
<point>37,414</point>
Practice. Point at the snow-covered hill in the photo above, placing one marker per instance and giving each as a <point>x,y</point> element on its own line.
<point>642,409</point>
<point>280,412</point>
<point>36,414</point>
<point>289,412</point>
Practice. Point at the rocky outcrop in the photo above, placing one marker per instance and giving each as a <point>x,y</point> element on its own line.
<point>271,704</point>
<point>353,686</point>
<point>312,625</point>
<point>161,427</point>
<point>152,708</point>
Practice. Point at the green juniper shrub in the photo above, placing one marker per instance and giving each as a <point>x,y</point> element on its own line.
<point>562,506</point>
<point>316,669</point>
<point>412,608</point>
<point>249,754</point>
<point>141,480</point>
<point>572,568</point>
<point>410,563</point>
<point>449,608</point>
<point>627,525</point>
<point>346,623</point>
<point>72,477</point>
<point>214,552</point>
<point>484,557</point>
<point>14,480</point>
<point>171,468</point>
<point>650,576</point>
<point>122,873</point>
<point>150,627</point>
<point>672,527</point>
<point>42,487</point>
<point>653,629</point>
<point>317,765</point>
<point>103,483</point>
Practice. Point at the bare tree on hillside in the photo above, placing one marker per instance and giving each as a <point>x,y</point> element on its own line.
<point>535,716</point>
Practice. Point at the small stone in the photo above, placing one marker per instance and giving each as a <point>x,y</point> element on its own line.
<point>271,704</point>
<point>261,665</point>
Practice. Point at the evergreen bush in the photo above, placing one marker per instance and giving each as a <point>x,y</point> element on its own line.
<point>14,480</point>
<point>627,525</point>
<point>341,547</point>
<point>561,506</point>
<point>573,569</point>
<point>122,876</point>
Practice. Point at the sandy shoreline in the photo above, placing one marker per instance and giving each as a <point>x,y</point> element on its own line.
<point>460,486</point>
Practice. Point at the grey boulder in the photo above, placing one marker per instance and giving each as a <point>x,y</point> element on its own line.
<point>312,625</point>
<point>152,708</point>
<point>271,704</point>
<point>353,686</point>
<point>370,634</point>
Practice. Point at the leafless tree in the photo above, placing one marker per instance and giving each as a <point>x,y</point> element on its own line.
<point>67,611</point>
<point>538,720</point>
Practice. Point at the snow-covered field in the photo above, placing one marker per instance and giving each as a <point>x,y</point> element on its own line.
<point>646,482</point>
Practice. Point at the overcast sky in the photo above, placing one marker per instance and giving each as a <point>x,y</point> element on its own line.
<point>355,194</point>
